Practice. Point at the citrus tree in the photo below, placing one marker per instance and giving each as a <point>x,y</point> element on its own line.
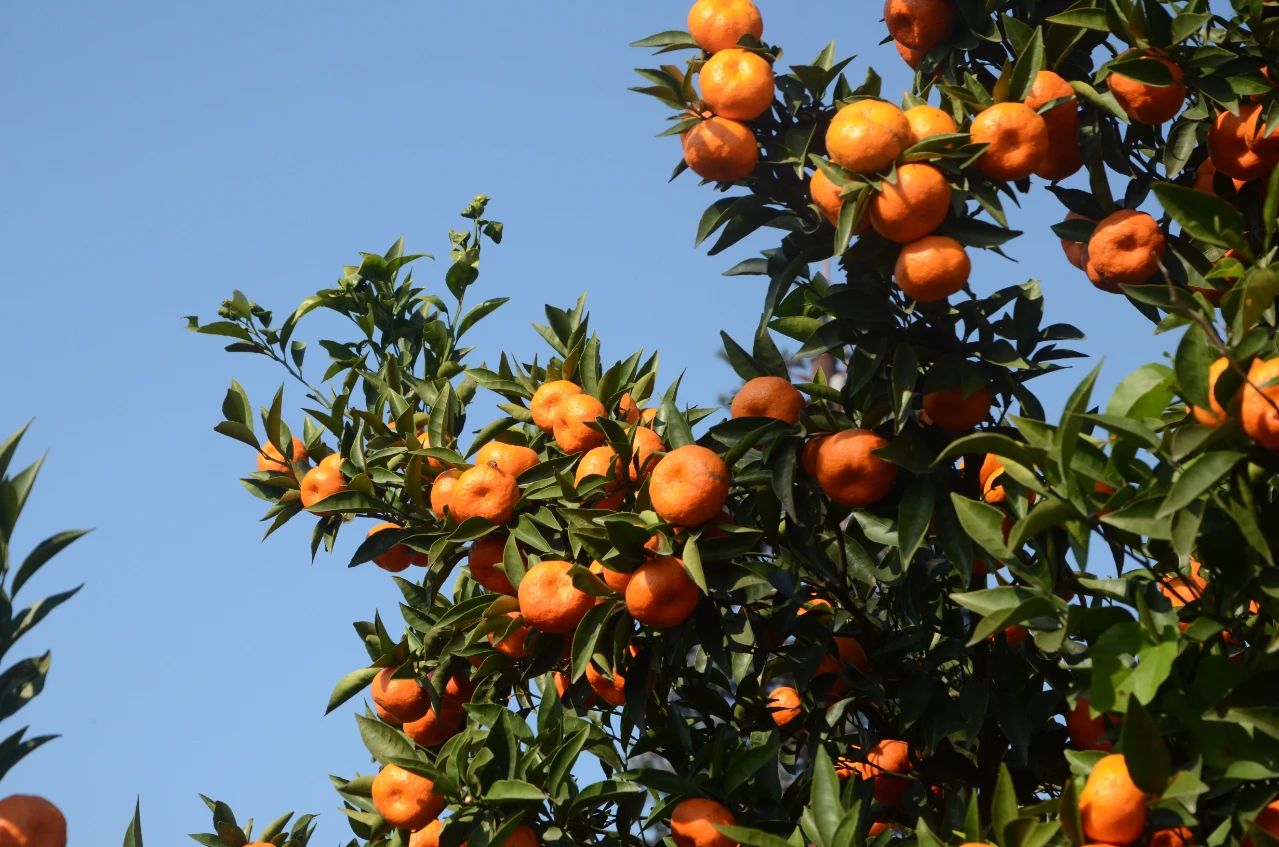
<point>902,604</point>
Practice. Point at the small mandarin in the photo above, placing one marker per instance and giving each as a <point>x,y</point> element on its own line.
<point>511,459</point>
<point>932,268</point>
<point>610,688</point>
<point>515,644</point>
<point>920,24</point>
<point>849,472</point>
<point>616,580</point>
<point>484,560</point>
<point>768,397</point>
<point>783,705</point>
<point>442,492</point>
<point>1215,415</point>
<point>689,486</point>
<point>1258,412</point>
<point>826,196</point>
<point>398,557</point>
<point>404,698</point>
<point>30,821</point>
<point>1230,145</point>
<point>1017,137</point>
<point>913,206</point>
<point>737,84</point>
<point>1112,808</point>
<point>549,601</point>
<point>954,411</point>
<point>484,492</point>
<point>404,799</point>
<point>1126,248</point>
<point>719,24</point>
<point>271,460</point>
<point>926,121</point>
<point>661,594</point>
<point>320,483</point>
<point>573,418</point>
<point>1145,103</point>
<point>693,823</point>
<point>721,150</point>
<point>546,398</point>
<point>867,136</point>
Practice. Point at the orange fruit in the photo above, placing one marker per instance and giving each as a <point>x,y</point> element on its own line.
<point>645,445</point>
<point>404,799</point>
<point>1230,145</point>
<point>405,699</point>
<point>689,486</point>
<point>737,84</point>
<point>1015,635</point>
<point>953,411</point>
<point>1064,157</point>
<point>1111,807</point>
<point>270,459</point>
<point>320,483</point>
<point>721,150</point>
<point>548,599</point>
<point>627,409</point>
<point>510,459</point>
<point>988,476</point>
<point>884,760</point>
<point>332,461</point>
<point>1215,414</point>
<point>825,194</point>
<point>1260,397</point>
<point>484,558</point>
<point>719,24</point>
<point>425,441</point>
<point>867,136</point>
<point>1204,177</point>
<point>602,461</point>
<point>398,557</point>
<point>912,56</point>
<point>693,823</point>
<point>913,206</point>
<point>768,397</point>
<point>30,821</point>
<point>808,455</point>
<point>1085,731</point>
<point>515,645</point>
<point>932,268</point>
<point>434,728</point>
<point>428,836</point>
<point>926,121</point>
<point>442,492</point>
<point>849,472</point>
<point>573,416</point>
<point>783,705</point>
<point>848,652</point>
<point>484,492</point>
<point>661,594</point>
<point>611,689</point>
<point>1267,820</point>
<point>1074,250</point>
<point>1125,249</point>
<point>386,716</point>
<point>1182,589</point>
<point>1018,139</point>
<point>921,24</point>
<point>1145,103</point>
<point>616,580</point>
<point>547,396</point>
<point>1179,836</point>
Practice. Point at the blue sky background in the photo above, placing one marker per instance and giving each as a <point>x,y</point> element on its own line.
<point>157,155</point>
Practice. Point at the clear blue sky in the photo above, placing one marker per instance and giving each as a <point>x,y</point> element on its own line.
<point>155,156</point>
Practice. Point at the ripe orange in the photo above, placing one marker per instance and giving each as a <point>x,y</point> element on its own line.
<point>320,483</point>
<point>616,580</point>
<point>1175,837</point>
<point>661,594</point>
<point>645,446</point>
<point>867,136</point>
<point>1018,139</point>
<point>515,645</point>
<point>926,121</point>
<point>721,150</point>
<point>849,472</point>
<point>611,689</point>
<point>30,821</point>
<point>1260,397</point>
<point>483,559</point>
<point>332,461</point>
<point>953,411</point>
<point>783,705</point>
<point>1145,103</point>
<point>988,475</point>
<point>825,194</point>
<point>693,823</point>
<point>405,699</point>
<point>910,55</point>
<point>1126,248</point>
<point>719,24</point>
<point>398,557</point>
<point>573,416</point>
<point>442,492</point>
<point>548,599</point>
<point>768,397</point>
<point>270,459</point>
<point>921,24</point>
<point>434,728</point>
<point>1085,731</point>
<point>1112,808</point>
<point>1230,145</point>
<point>511,459</point>
<point>1204,175</point>
<point>1074,250</point>
<point>912,207</point>
<point>808,454</point>
<point>602,461</point>
<point>484,492</point>
<point>848,652</point>
<point>547,396</point>
<point>1064,157</point>
<point>737,84</point>
<point>1181,589</point>
<point>932,268</point>
<point>689,486</point>
<point>428,836</point>
<point>1215,414</point>
<point>404,799</point>
<point>1267,820</point>
<point>885,762</point>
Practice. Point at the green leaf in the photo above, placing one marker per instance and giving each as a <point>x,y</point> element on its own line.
<point>1192,361</point>
<point>1200,475</point>
<point>133,835</point>
<point>384,742</point>
<point>1094,19</point>
<point>585,637</point>
<point>1149,762</point>
<point>1003,808</point>
<point>350,685</point>
<point>752,837</point>
<point>513,791</point>
<point>1203,216</point>
<point>1029,63</point>
<point>983,523</point>
<point>43,552</point>
<point>747,763</point>
<point>478,313</point>
<point>824,802</point>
